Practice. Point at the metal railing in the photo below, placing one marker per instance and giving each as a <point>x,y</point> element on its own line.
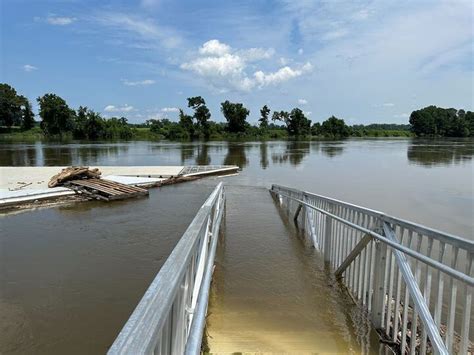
<point>414,282</point>
<point>170,318</point>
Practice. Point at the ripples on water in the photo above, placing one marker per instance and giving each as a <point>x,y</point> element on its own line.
<point>70,276</point>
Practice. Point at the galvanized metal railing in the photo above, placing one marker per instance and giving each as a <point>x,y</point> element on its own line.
<point>170,318</point>
<point>414,282</point>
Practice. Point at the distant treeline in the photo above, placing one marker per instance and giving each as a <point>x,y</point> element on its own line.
<point>442,122</point>
<point>58,119</point>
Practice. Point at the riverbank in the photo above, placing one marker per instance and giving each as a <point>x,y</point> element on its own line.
<point>145,134</point>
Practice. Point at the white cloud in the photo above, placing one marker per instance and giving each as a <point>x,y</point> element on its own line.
<point>302,101</point>
<point>28,68</point>
<point>256,54</point>
<point>112,108</point>
<point>169,109</point>
<point>300,51</point>
<point>60,20</point>
<point>225,68</point>
<point>138,83</point>
<point>214,48</point>
<point>388,104</point>
<point>307,113</point>
<point>146,32</point>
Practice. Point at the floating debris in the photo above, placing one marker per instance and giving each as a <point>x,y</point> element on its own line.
<point>106,190</point>
<point>73,173</point>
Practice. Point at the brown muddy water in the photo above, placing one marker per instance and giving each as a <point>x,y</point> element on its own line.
<point>71,275</point>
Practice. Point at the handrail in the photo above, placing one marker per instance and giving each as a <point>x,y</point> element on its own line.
<point>395,269</point>
<point>447,237</point>
<point>437,265</point>
<point>164,319</point>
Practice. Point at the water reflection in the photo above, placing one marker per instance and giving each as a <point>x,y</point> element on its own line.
<point>264,155</point>
<point>187,152</point>
<point>432,153</point>
<point>15,155</point>
<point>203,157</point>
<point>294,153</point>
<point>333,150</point>
<point>236,155</point>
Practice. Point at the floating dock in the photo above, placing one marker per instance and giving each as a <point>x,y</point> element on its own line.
<point>23,185</point>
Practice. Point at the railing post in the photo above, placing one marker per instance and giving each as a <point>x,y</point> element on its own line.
<point>327,237</point>
<point>378,296</point>
<point>303,217</point>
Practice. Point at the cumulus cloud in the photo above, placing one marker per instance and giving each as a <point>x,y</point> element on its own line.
<point>138,83</point>
<point>112,108</point>
<point>302,101</point>
<point>60,20</point>
<point>214,47</point>
<point>28,68</point>
<point>226,68</point>
<point>169,109</point>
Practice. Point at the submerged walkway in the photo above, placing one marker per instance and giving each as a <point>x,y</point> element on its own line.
<point>270,291</point>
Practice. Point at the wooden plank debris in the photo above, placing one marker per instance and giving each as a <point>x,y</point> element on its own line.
<point>73,173</point>
<point>106,190</point>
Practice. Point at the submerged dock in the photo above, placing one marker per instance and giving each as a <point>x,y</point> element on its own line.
<point>348,280</point>
<point>24,185</point>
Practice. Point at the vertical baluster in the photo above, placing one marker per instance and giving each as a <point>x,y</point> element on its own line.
<point>397,298</point>
<point>389,286</point>
<point>414,319</point>
<point>370,287</point>
<point>347,273</point>
<point>336,227</point>
<point>452,302</point>
<point>427,294</point>
<point>356,273</point>
<point>439,297</point>
<point>406,305</point>
<point>466,320</point>
<point>366,266</point>
<point>341,238</point>
<point>361,265</point>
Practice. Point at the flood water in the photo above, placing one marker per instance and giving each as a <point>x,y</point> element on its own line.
<point>71,275</point>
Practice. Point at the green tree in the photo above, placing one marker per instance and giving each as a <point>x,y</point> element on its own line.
<point>298,125</point>
<point>335,128</point>
<point>296,122</point>
<point>186,121</point>
<point>236,116</point>
<point>264,113</point>
<point>316,129</point>
<point>441,122</point>
<point>201,114</point>
<point>10,106</point>
<point>28,118</point>
<point>57,117</point>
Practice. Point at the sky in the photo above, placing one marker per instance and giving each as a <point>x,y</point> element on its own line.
<point>363,61</point>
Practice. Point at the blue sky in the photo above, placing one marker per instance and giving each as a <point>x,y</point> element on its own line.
<point>364,61</point>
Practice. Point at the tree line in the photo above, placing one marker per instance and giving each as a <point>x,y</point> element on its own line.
<point>58,119</point>
<point>442,122</point>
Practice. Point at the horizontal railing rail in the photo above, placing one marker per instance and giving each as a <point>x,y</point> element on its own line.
<point>170,318</point>
<point>395,269</point>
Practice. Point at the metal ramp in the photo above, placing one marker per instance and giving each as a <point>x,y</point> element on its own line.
<point>411,283</point>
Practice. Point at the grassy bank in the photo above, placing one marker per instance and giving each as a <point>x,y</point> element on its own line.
<point>145,134</point>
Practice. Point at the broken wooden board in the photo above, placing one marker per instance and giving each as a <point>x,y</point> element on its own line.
<point>106,190</point>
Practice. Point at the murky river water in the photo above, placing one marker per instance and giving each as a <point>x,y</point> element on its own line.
<point>71,275</point>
